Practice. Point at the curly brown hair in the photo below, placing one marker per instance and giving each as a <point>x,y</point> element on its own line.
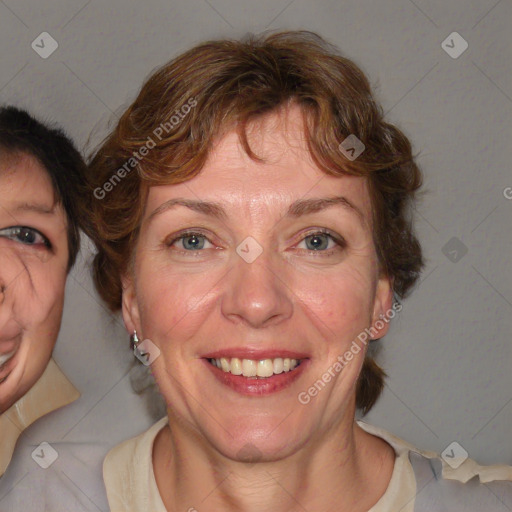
<point>166,135</point>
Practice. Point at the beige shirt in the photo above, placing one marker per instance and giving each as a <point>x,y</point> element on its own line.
<point>52,391</point>
<point>131,485</point>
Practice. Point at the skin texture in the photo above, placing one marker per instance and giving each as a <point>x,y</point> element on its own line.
<point>190,303</point>
<point>32,275</point>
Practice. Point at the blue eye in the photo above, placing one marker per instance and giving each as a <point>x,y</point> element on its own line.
<point>319,242</point>
<point>25,235</point>
<point>191,240</point>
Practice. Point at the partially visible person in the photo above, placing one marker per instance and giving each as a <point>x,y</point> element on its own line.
<point>54,463</point>
<point>41,175</point>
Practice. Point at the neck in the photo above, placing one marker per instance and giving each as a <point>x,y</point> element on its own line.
<point>344,469</point>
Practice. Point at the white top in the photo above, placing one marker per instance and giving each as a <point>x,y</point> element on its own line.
<point>131,484</point>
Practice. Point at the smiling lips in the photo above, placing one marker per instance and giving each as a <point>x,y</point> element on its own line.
<point>262,368</point>
<point>256,372</point>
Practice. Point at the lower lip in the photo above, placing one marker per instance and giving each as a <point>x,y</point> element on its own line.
<point>252,386</point>
<point>7,368</point>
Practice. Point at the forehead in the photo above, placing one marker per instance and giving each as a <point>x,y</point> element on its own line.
<point>288,173</point>
<point>24,180</point>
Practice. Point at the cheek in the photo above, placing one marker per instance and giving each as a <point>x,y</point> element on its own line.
<point>173,306</point>
<point>36,305</point>
<point>338,305</point>
<point>39,300</point>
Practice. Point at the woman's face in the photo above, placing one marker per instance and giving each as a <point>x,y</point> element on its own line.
<point>277,277</point>
<point>33,268</point>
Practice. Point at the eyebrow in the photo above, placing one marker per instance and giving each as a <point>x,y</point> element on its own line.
<point>296,209</point>
<point>34,207</point>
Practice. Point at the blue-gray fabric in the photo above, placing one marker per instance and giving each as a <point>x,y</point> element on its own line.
<point>436,494</point>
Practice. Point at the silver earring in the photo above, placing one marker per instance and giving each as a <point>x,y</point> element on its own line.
<point>134,340</point>
<point>137,352</point>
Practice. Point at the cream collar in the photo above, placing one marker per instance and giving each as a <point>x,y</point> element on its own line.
<point>52,391</point>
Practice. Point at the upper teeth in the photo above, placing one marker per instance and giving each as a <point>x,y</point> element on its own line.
<point>255,368</point>
<point>5,357</point>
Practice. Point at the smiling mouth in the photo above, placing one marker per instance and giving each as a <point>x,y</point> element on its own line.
<point>259,369</point>
<point>5,357</point>
<point>4,362</point>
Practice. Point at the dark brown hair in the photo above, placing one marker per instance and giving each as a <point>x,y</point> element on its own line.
<point>21,133</point>
<point>219,85</point>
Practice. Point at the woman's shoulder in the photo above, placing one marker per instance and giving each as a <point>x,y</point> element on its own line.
<point>451,481</point>
<point>468,487</point>
<point>128,473</point>
<point>51,391</point>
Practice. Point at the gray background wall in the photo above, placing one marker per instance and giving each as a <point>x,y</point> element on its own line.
<point>449,352</point>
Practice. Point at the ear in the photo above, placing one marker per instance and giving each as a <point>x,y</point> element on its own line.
<point>382,305</point>
<point>130,307</point>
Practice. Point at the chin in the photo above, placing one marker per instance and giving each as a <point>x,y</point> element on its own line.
<point>251,439</point>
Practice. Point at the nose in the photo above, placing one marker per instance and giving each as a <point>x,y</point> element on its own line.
<point>256,293</point>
